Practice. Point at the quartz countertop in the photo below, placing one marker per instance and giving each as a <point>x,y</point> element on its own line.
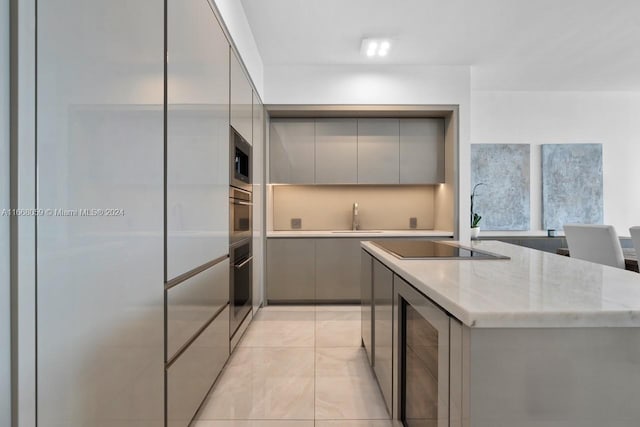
<point>360,233</point>
<point>533,289</point>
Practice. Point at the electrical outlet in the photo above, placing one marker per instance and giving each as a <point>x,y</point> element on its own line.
<point>296,223</point>
<point>413,222</point>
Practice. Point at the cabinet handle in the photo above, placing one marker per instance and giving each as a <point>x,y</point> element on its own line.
<point>243,263</point>
<point>243,203</point>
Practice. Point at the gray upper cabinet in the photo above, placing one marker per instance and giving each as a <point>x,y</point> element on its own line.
<point>241,100</point>
<point>421,151</point>
<point>292,151</point>
<point>378,151</point>
<point>336,151</point>
<point>197,138</point>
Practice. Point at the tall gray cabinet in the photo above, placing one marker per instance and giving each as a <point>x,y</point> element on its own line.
<point>241,100</point>
<point>197,301</point>
<point>100,291</point>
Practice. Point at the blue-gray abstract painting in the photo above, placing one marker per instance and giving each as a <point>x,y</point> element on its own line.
<point>571,185</point>
<point>504,200</point>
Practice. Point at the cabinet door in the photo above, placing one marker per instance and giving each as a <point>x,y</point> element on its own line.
<point>193,303</point>
<point>337,270</point>
<point>336,151</point>
<point>241,100</point>
<point>197,138</point>
<point>366,296</point>
<point>292,151</point>
<point>383,329</point>
<point>291,270</point>
<point>192,374</point>
<point>421,151</point>
<point>378,151</point>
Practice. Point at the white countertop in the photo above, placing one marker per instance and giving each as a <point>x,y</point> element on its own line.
<point>360,233</point>
<point>532,289</point>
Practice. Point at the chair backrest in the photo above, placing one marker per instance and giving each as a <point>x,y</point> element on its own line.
<point>595,243</point>
<point>635,236</point>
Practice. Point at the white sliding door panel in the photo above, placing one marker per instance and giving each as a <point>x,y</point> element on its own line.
<point>197,137</point>
<point>100,334</point>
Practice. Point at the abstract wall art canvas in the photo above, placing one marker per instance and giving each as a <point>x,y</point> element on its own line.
<point>504,200</point>
<point>572,185</point>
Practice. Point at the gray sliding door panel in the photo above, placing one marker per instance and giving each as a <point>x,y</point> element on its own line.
<point>191,376</point>
<point>378,151</point>
<point>100,311</point>
<point>5,292</point>
<point>336,151</point>
<point>421,151</point>
<point>197,137</point>
<point>192,303</point>
<point>292,151</point>
<point>241,100</point>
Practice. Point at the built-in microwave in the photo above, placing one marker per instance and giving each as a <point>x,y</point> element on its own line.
<point>240,165</point>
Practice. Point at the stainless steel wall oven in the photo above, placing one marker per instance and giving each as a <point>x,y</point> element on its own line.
<point>240,234</point>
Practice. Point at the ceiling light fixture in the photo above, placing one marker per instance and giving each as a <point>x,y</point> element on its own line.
<point>375,47</point>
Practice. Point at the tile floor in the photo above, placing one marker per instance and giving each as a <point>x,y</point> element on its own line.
<point>297,366</point>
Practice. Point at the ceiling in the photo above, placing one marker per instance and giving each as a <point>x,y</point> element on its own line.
<point>510,44</point>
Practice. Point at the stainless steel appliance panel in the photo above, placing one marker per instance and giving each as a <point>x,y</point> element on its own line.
<point>240,215</point>
<point>192,303</point>
<point>197,137</point>
<point>424,359</point>
<point>191,376</point>
<point>240,284</point>
<point>100,293</point>
<point>241,162</point>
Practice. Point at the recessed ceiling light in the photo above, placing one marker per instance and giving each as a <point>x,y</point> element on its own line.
<point>375,47</point>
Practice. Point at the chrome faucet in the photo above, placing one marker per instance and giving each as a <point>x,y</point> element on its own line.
<point>355,224</point>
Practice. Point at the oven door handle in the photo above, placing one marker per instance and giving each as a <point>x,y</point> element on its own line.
<point>242,203</point>
<point>243,263</point>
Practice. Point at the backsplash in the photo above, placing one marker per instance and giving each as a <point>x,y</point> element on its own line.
<point>326,207</point>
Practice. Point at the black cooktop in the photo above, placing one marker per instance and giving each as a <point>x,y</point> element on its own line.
<point>428,249</point>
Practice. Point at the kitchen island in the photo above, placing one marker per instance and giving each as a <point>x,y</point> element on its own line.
<point>535,340</point>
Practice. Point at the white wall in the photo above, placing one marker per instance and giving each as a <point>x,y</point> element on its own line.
<point>610,118</point>
<point>5,307</point>
<point>236,22</point>
<point>379,84</point>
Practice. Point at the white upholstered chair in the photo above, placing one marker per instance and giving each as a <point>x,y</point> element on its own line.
<point>635,236</point>
<point>595,243</point>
